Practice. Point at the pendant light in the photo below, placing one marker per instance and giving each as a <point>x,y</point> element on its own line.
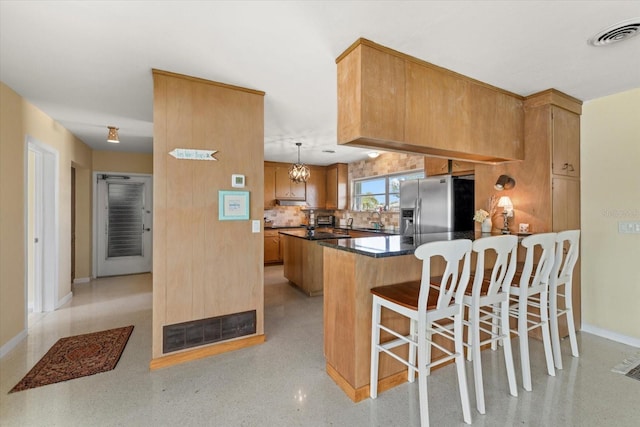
<point>113,135</point>
<point>299,172</point>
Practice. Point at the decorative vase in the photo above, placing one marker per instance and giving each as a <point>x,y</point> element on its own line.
<point>486,225</point>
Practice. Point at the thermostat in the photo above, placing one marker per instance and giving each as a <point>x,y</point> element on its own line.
<point>237,181</point>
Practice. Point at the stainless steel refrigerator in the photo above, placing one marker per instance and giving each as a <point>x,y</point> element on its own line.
<point>436,204</point>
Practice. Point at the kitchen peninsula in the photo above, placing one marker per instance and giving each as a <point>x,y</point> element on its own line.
<point>351,267</point>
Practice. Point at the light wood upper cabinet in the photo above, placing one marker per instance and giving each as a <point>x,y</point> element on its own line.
<point>269,186</point>
<point>496,122</point>
<point>436,109</point>
<point>287,189</point>
<point>565,127</point>
<point>387,99</point>
<point>337,186</point>
<point>370,95</point>
<point>317,187</point>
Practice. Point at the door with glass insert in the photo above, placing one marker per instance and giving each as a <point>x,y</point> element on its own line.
<point>124,224</point>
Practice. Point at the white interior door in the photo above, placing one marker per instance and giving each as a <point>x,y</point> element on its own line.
<point>124,221</point>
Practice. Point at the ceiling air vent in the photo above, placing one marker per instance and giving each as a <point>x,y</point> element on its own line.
<point>616,33</point>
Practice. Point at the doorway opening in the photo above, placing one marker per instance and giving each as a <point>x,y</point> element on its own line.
<point>123,224</point>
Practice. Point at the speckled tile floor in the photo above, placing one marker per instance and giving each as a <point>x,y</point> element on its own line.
<point>283,381</point>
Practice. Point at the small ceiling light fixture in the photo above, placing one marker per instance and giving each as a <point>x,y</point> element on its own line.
<point>504,182</point>
<point>373,154</point>
<point>113,135</point>
<point>616,33</point>
<point>299,172</point>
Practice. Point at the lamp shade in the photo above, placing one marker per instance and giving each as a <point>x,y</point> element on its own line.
<point>505,202</point>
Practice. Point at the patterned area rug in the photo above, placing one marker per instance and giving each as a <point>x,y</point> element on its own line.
<point>77,356</point>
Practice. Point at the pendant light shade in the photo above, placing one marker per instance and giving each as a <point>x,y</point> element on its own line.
<point>113,135</point>
<point>299,172</point>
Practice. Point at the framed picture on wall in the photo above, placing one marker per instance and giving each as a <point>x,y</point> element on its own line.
<point>233,205</point>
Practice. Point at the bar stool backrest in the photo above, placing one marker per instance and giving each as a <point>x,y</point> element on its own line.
<point>502,272</point>
<point>544,244</point>
<point>454,281</point>
<point>565,262</point>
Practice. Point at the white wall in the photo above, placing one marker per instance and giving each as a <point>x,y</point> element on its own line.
<point>610,161</point>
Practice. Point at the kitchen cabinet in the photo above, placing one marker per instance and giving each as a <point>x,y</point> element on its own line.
<point>287,189</point>
<point>303,264</point>
<point>269,186</point>
<point>277,185</point>
<point>565,202</point>
<point>316,189</point>
<point>565,130</point>
<point>337,186</point>
<point>434,166</point>
<point>272,250</point>
<point>387,99</point>
<point>370,95</point>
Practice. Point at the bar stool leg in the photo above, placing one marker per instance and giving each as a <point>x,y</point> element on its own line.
<point>375,354</point>
<point>546,336</point>
<point>506,345</point>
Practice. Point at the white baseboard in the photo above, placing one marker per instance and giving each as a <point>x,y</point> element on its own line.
<point>64,300</point>
<point>613,336</point>
<point>12,343</point>
<point>81,280</point>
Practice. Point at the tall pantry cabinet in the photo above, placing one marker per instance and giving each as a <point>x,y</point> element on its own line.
<point>552,133</point>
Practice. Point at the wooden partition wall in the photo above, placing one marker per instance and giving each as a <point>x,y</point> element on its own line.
<point>204,267</point>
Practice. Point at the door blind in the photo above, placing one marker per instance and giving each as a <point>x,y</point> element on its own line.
<point>125,228</point>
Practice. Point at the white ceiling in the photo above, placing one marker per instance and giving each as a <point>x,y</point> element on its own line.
<point>88,64</point>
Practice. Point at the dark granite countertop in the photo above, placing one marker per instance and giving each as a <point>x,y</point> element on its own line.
<point>394,245</point>
<point>381,231</point>
<point>281,227</point>
<point>317,235</point>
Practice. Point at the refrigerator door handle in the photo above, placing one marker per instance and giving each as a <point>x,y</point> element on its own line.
<point>418,215</point>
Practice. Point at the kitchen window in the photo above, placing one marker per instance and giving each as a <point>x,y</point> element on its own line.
<point>381,192</point>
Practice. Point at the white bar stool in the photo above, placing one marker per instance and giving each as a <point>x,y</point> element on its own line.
<point>488,307</point>
<point>531,289</point>
<point>426,307</point>
<point>567,251</point>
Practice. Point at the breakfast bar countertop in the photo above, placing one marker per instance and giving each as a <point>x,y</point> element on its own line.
<point>394,245</point>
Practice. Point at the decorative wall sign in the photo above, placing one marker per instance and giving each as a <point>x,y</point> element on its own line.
<point>233,205</point>
<point>192,154</point>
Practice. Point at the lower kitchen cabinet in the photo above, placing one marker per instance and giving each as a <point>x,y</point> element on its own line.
<point>272,251</point>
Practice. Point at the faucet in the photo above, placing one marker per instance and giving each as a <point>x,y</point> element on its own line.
<point>377,224</point>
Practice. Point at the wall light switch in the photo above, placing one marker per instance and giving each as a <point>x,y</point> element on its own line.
<point>255,226</point>
<point>629,227</point>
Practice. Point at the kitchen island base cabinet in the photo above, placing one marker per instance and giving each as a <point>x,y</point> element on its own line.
<point>303,264</point>
<point>348,278</point>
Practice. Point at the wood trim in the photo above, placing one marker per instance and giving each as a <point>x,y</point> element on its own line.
<point>202,352</point>
<point>554,97</point>
<point>209,82</point>
<point>374,45</point>
<point>362,393</point>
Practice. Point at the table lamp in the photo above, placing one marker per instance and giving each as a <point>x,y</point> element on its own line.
<point>505,202</point>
